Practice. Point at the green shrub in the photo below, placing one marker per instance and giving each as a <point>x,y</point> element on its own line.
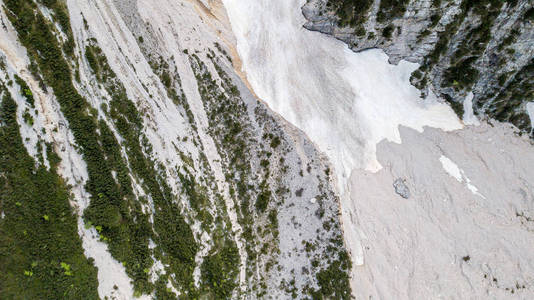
<point>388,31</point>
<point>333,281</point>
<point>219,271</point>
<point>25,90</point>
<point>352,12</point>
<point>391,9</point>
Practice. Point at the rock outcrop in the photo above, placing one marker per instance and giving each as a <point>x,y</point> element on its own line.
<point>401,188</point>
<point>483,47</point>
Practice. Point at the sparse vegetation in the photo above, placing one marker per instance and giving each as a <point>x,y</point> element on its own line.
<point>351,13</point>
<point>391,9</point>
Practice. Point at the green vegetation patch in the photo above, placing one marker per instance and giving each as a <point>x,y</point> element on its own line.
<point>391,9</point>
<point>334,281</point>
<point>113,210</point>
<point>25,91</point>
<point>520,89</point>
<point>350,12</point>
<point>220,269</point>
<point>41,254</point>
<point>61,16</point>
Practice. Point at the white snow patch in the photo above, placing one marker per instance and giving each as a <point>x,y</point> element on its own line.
<point>452,169</point>
<point>111,273</point>
<point>473,189</point>
<point>157,268</point>
<point>172,288</point>
<point>199,257</point>
<point>530,111</point>
<point>469,117</point>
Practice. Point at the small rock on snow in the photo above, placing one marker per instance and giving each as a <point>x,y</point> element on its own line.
<point>400,188</point>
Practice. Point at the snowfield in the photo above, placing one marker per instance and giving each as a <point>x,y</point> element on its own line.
<point>460,237</point>
<point>345,102</point>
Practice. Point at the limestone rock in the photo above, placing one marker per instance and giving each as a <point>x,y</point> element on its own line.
<point>401,188</point>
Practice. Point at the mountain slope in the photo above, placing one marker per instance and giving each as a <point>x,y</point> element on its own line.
<point>463,47</point>
<point>206,149</point>
<point>182,182</point>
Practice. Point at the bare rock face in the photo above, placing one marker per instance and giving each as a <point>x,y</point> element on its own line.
<point>462,47</point>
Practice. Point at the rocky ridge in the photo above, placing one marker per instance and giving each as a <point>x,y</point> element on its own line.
<point>481,47</point>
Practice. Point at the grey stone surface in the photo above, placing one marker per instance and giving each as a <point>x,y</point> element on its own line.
<point>401,188</point>
<point>448,241</point>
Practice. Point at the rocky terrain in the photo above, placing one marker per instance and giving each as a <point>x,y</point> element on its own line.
<point>216,149</point>
<point>465,228</point>
<point>483,48</point>
<point>432,206</point>
<point>135,162</point>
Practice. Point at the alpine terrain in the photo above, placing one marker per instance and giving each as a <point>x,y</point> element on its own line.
<point>254,149</point>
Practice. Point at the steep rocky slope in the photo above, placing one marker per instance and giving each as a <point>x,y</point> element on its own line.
<point>481,47</point>
<point>427,213</point>
<point>173,149</point>
<point>136,162</point>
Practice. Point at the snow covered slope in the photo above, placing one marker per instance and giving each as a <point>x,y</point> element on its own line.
<point>345,102</point>
<point>348,103</point>
<point>466,230</point>
<point>478,48</point>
